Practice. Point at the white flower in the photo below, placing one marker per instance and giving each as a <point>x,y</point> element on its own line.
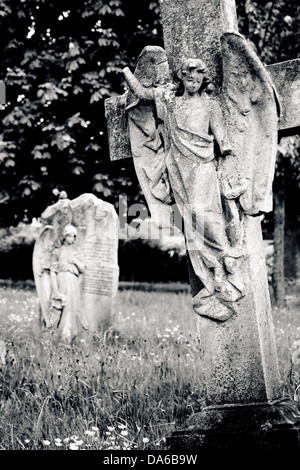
<point>145,440</point>
<point>124,433</point>
<point>95,429</point>
<point>78,443</point>
<point>46,443</point>
<point>73,446</point>
<point>110,428</point>
<point>58,444</point>
<point>122,426</point>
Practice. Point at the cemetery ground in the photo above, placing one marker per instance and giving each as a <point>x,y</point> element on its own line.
<point>126,388</point>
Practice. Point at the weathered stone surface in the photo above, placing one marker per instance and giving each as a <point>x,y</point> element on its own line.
<point>272,425</point>
<point>96,224</point>
<point>251,109</point>
<point>238,357</point>
<point>117,127</point>
<point>186,26</point>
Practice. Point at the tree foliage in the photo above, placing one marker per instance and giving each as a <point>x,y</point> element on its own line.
<point>60,60</point>
<point>273,27</point>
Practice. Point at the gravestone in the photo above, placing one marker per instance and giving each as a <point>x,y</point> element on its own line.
<point>244,403</point>
<point>96,225</point>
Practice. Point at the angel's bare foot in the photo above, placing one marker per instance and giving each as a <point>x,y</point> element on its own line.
<point>218,277</point>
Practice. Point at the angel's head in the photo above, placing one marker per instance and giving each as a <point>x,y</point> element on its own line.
<point>69,234</point>
<point>193,77</point>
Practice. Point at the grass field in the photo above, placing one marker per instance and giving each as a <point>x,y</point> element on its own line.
<point>125,389</point>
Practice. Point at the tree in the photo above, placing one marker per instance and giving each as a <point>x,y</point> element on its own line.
<point>60,60</point>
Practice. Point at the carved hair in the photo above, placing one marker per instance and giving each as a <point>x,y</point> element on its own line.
<point>188,66</point>
<point>68,230</point>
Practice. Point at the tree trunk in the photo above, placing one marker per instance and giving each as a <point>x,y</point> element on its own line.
<point>291,249</point>
<point>278,279</point>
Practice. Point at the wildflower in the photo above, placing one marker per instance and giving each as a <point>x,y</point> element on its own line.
<point>58,443</point>
<point>73,446</point>
<point>46,443</point>
<point>145,440</point>
<point>108,433</point>
<point>124,433</point>
<point>122,426</point>
<point>110,428</point>
<point>27,441</point>
<point>96,429</point>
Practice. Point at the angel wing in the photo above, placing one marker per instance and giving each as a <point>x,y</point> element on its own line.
<point>145,134</point>
<point>251,112</point>
<point>41,261</point>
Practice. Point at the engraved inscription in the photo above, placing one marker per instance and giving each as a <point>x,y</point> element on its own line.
<point>98,277</point>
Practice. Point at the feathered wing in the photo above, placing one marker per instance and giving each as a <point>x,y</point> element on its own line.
<point>145,133</point>
<point>41,261</point>
<point>251,111</point>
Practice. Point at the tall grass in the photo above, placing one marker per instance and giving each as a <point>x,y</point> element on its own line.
<point>125,388</point>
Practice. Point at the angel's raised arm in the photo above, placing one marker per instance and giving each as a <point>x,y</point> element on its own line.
<point>135,86</point>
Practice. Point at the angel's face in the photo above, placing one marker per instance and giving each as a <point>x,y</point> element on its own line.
<point>192,82</point>
<point>70,238</point>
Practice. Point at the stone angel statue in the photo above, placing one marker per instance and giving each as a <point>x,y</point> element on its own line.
<point>212,154</point>
<point>57,267</point>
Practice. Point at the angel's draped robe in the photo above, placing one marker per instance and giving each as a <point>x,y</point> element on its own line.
<point>68,298</point>
<point>192,171</point>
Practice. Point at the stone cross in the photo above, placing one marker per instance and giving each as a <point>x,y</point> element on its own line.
<point>238,356</point>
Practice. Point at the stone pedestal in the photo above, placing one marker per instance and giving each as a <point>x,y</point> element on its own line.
<point>268,426</point>
<point>238,357</point>
<point>245,409</point>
